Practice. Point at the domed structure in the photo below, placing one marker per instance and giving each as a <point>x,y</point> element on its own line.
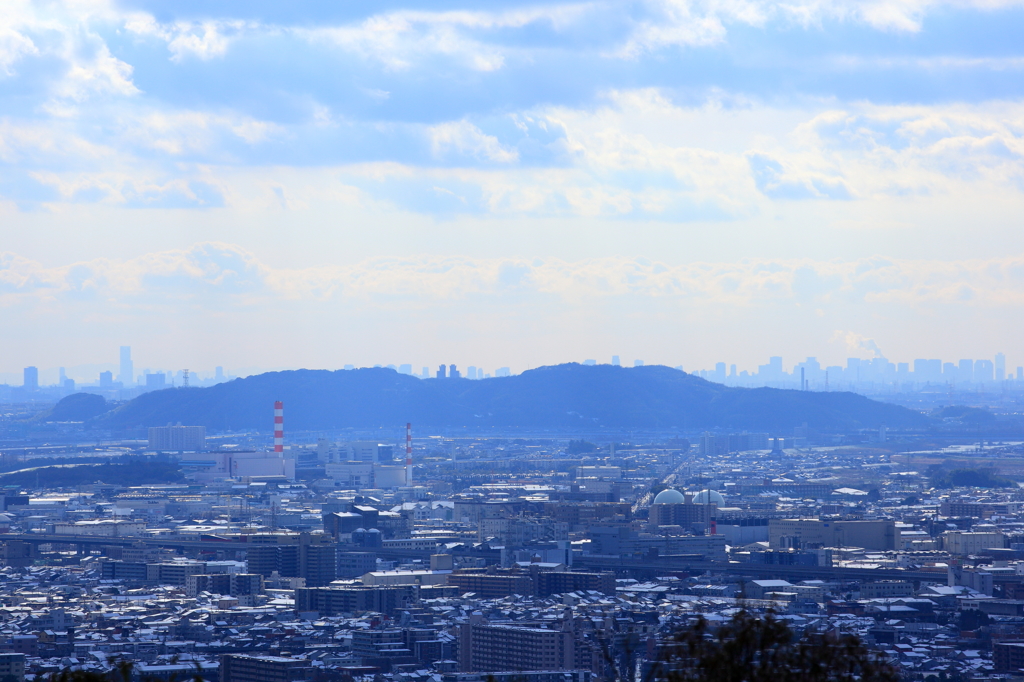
<point>669,496</point>
<point>709,497</point>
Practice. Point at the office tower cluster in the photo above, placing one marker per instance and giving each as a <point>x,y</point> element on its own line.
<point>121,383</point>
<point>867,375</point>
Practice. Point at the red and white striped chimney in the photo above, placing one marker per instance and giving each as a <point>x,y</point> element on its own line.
<point>279,426</point>
<point>408,453</point>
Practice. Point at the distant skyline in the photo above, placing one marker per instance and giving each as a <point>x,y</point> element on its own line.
<point>269,185</point>
<point>775,370</point>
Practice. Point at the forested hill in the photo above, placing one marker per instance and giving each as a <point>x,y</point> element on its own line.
<point>566,396</point>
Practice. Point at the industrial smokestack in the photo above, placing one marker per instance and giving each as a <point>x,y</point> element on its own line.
<point>408,454</point>
<point>279,427</point>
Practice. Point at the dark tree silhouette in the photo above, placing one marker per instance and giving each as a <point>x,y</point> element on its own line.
<point>749,648</point>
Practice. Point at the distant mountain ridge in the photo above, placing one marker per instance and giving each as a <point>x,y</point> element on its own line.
<point>569,396</point>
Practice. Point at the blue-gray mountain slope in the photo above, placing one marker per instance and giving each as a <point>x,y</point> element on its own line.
<point>569,396</point>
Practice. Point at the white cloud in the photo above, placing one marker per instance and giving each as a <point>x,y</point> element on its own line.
<point>400,39</point>
<point>217,269</point>
<point>464,138</point>
<point>102,74</point>
<point>857,343</point>
<point>202,40</point>
<point>13,46</point>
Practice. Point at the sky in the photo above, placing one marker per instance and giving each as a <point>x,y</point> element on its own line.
<point>312,184</point>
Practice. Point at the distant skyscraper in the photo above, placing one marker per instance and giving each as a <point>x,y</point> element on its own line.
<point>106,379</point>
<point>1000,367</point>
<point>442,371</point>
<point>127,373</point>
<point>453,372</point>
<point>983,371</point>
<point>63,377</point>
<point>638,363</point>
<point>218,374</point>
<point>927,370</point>
<point>615,360</point>
<point>31,378</point>
<point>772,371</point>
<point>590,362</point>
<point>720,372</point>
<point>965,371</point>
<point>471,372</point>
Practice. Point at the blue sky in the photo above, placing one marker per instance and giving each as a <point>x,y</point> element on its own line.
<point>503,183</point>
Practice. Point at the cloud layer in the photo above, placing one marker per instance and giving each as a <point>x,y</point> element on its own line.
<point>224,291</point>
<point>820,164</point>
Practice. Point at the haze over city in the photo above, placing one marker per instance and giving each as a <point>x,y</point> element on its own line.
<point>511,341</point>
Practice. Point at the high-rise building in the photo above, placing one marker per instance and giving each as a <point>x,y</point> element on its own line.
<point>965,371</point>
<point>720,372</point>
<point>12,665</point>
<point>1000,367</point>
<point>984,371</point>
<point>927,370</point>
<point>615,361</point>
<point>126,375</point>
<point>442,371</point>
<point>155,382</point>
<point>369,451</point>
<point>31,380</point>
<point>485,648</point>
<point>335,601</point>
<point>106,379</point>
<point>177,438</point>
<point>313,557</point>
<point>453,372</point>
<point>638,363</point>
<point>261,668</point>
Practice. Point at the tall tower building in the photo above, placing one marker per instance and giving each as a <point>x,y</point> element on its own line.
<point>126,375</point>
<point>31,378</point>
<point>1000,366</point>
<point>965,371</point>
